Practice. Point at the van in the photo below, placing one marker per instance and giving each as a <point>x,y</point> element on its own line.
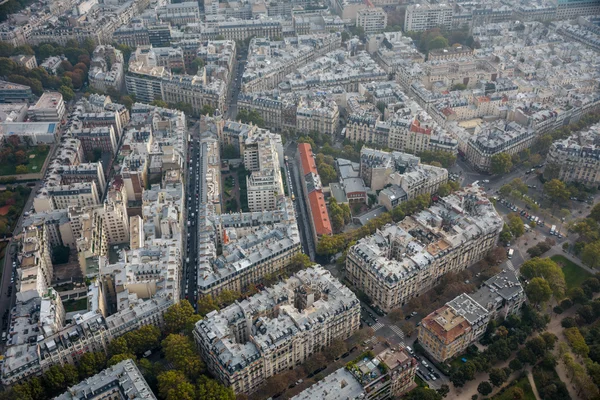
<point>510,253</point>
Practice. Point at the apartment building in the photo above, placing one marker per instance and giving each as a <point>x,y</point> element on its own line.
<point>187,12</point>
<point>263,156</point>
<point>403,260</point>
<point>276,329</point>
<point>27,61</point>
<point>106,69</point>
<point>372,19</point>
<point>376,166</point>
<point>50,107</point>
<point>101,137</point>
<point>448,331</point>
<point>577,158</point>
<point>35,272</point>
<point>387,375</point>
<point>495,138</point>
<point>317,114</point>
<point>122,381</point>
<point>424,16</point>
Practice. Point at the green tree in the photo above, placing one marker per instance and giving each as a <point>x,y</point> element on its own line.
<point>173,385</point>
<point>591,254</point>
<point>206,304</point>
<point>422,393</point>
<point>229,152</point>
<point>517,227</point>
<point>501,163</point>
<point>91,363</point>
<point>197,65</point>
<point>67,93</point>
<point>143,339</point>
<point>117,358</point>
<point>118,346</point>
<point>180,316</point>
<point>182,353</point>
<point>439,42</point>
<point>484,388</point>
<point>497,376</point>
<point>577,341</point>
<point>547,269</point>
<point>538,291</point>
<point>58,378</point>
<point>557,191</point>
<point>159,103</point>
<point>515,365</point>
<point>210,389</point>
<point>21,169</point>
<point>299,262</point>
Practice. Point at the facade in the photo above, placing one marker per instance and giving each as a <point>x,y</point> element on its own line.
<point>122,381</point>
<point>449,330</point>
<point>577,158</point>
<point>14,93</point>
<point>50,107</point>
<point>372,19</point>
<point>28,62</point>
<point>405,259</point>
<point>421,17</point>
<point>106,69</point>
<point>263,157</point>
<point>276,329</point>
<point>495,138</point>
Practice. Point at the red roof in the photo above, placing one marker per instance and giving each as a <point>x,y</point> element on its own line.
<point>307,159</point>
<point>319,213</point>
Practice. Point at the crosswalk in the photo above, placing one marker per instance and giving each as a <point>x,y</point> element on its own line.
<point>370,340</point>
<point>377,326</point>
<point>397,331</point>
<point>510,265</point>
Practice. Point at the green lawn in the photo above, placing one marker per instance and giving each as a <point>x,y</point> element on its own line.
<point>522,383</point>
<point>457,362</point>
<point>420,382</point>
<point>34,164</point>
<point>574,274</point>
<point>75,305</point>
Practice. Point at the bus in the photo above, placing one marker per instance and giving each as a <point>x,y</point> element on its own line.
<point>553,230</point>
<point>510,253</point>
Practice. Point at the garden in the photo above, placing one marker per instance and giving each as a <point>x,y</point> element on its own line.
<point>20,157</point>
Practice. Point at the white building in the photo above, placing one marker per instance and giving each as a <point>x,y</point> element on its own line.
<point>372,19</point>
<point>421,17</point>
<point>50,107</point>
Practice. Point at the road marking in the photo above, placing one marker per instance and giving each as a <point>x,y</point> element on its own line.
<point>397,331</point>
<point>510,265</point>
<point>370,340</point>
<point>377,326</point>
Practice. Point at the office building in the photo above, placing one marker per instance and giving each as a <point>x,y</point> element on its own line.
<point>14,93</point>
<point>424,16</point>
<point>372,20</point>
<point>50,107</point>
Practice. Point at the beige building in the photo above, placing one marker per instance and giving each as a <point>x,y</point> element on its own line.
<point>277,329</point>
<point>420,17</point>
<point>263,156</point>
<point>50,107</point>
<point>403,260</point>
<point>372,19</point>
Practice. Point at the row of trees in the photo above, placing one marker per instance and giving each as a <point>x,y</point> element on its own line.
<point>546,280</point>
<point>588,240</point>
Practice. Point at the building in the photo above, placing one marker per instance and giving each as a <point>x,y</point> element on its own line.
<point>424,16</point>
<point>52,64</point>
<point>37,132</point>
<point>496,138</point>
<point>14,93</point>
<point>576,158</point>
<point>402,260</point>
<point>388,375</point>
<point>106,69</point>
<point>372,19</point>
<point>502,294</point>
<point>122,381</point>
<point>313,192</point>
<point>26,61</point>
<point>277,329</point>
<point>50,107</point>
<point>263,156</point>
<point>449,330</point>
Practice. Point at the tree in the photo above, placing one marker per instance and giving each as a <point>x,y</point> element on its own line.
<point>335,349</point>
<point>547,269</point>
<point>515,365</point>
<point>538,291</point>
<point>501,163</point>
<point>159,103</point>
<point>21,169</point>
<point>91,363</point>
<point>206,304</point>
<point>557,191</point>
<point>421,393</point>
<point>182,353</point>
<point>577,341</point>
<point>497,376</point>
<point>173,385</point>
<point>210,389</point>
<point>114,360</point>
<point>66,92</point>
<point>591,254</point>
<point>180,316</point>
<point>484,388</point>
<point>58,378</point>
<point>143,339</point>
<point>299,262</point>
<point>568,322</point>
<point>516,225</point>
<point>407,328</point>
<point>118,346</point>
<point>229,152</point>
<point>127,101</point>
<point>439,42</point>
<point>396,315</point>
<point>314,362</point>
<point>197,65</point>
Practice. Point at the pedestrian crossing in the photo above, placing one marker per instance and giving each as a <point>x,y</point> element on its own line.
<point>397,331</point>
<point>510,265</point>
<point>377,326</point>
<point>370,340</point>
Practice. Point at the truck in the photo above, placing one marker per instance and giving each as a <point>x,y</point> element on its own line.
<point>553,230</point>
<point>510,253</point>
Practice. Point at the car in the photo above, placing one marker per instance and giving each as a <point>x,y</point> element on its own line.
<point>413,313</point>
<point>408,317</point>
<point>425,363</point>
<point>436,375</point>
<point>369,323</point>
<point>375,319</point>
<point>433,378</point>
<point>486,181</point>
